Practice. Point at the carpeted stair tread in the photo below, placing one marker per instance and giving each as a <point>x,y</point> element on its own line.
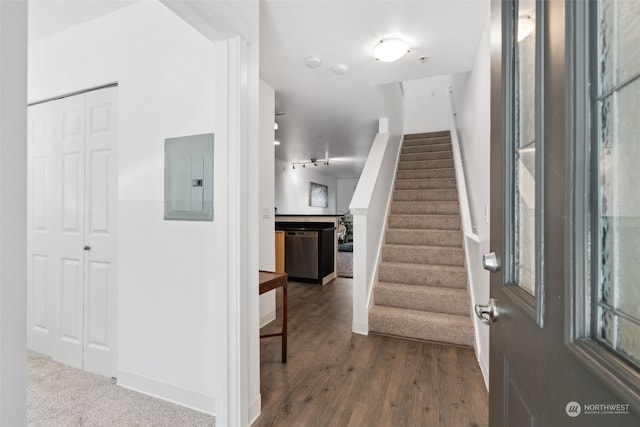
<point>426,173</point>
<point>425,195</point>
<point>428,141</point>
<point>421,325</point>
<point>426,164</point>
<point>425,184</point>
<point>447,276</point>
<point>416,254</point>
<point>425,208</point>
<point>448,238</point>
<point>422,135</point>
<point>425,222</point>
<point>433,155</point>
<point>426,298</point>
<point>428,148</point>
<point>421,291</point>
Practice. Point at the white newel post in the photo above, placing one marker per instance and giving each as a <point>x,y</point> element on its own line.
<point>360,311</point>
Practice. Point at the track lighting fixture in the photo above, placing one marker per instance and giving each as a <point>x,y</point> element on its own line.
<point>313,161</point>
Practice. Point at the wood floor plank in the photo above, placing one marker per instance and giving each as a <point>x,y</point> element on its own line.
<point>336,378</point>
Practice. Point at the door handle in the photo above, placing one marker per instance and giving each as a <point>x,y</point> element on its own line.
<point>491,262</point>
<point>487,313</point>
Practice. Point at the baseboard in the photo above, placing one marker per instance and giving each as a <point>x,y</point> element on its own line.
<point>255,408</point>
<point>360,328</point>
<point>169,392</point>
<point>484,368</point>
<point>267,318</point>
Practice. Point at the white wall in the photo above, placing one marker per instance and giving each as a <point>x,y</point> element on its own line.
<point>13,213</point>
<point>345,189</point>
<point>425,104</point>
<point>267,197</point>
<point>370,204</point>
<point>170,272</point>
<point>292,189</point>
<point>472,96</point>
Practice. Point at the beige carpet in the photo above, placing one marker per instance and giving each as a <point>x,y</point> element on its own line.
<point>60,396</point>
<point>421,291</point>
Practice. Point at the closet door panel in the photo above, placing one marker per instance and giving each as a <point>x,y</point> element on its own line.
<point>43,234</point>
<point>70,116</point>
<point>100,267</point>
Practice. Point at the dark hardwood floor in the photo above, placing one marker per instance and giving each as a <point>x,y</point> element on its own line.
<point>337,378</point>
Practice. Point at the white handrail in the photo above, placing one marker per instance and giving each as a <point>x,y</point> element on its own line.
<point>465,212</point>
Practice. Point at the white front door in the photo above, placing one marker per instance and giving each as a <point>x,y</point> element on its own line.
<point>72,200</point>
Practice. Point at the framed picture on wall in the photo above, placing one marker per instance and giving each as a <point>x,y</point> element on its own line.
<point>318,195</point>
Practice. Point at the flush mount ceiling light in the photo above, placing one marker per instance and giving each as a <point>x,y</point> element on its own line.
<point>389,50</point>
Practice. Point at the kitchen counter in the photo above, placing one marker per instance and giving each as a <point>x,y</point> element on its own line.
<point>324,225</point>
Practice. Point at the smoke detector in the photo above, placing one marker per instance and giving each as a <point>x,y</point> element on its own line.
<point>313,62</point>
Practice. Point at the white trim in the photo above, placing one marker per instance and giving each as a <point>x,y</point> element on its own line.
<point>255,408</point>
<point>232,409</point>
<point>169,392</point>
<point>216,20</point>
<point>360,328</point>
<point>267,318</point>
<point>469,236</point>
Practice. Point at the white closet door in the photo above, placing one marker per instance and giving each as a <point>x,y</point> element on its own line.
<point>70,115</point>
<point>72,222</point>
<point>43,208</point>
<point>100,224</point>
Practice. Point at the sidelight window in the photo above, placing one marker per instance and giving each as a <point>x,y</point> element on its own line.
<point>615,225</point>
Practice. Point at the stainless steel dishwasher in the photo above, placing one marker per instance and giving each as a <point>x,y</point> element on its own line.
<point>301,254</point>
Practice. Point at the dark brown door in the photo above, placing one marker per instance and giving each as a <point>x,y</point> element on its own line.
<point>565,229</point>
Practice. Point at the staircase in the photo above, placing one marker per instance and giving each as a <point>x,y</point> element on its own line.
<point>421,291</point>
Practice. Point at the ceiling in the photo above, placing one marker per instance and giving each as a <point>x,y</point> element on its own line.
<point>48,17</point>
<point>328,114</point>
<point>337,115</point>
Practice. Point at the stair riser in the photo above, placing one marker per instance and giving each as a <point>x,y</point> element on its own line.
<point>435,155</point>
<point>424,195</point>
<point>439,303</point>
<point>431,222</point>
<point>424,142</point>
<point>427,164</point>
<point>425,184</point>
<point>418,208</point>
<point>424,255</point>
<point>422,277</point>
<point>447,238</point>
<point>428,135</point>
<point>418,149</point>
<point>426,174</point>
<point>421,330</point>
